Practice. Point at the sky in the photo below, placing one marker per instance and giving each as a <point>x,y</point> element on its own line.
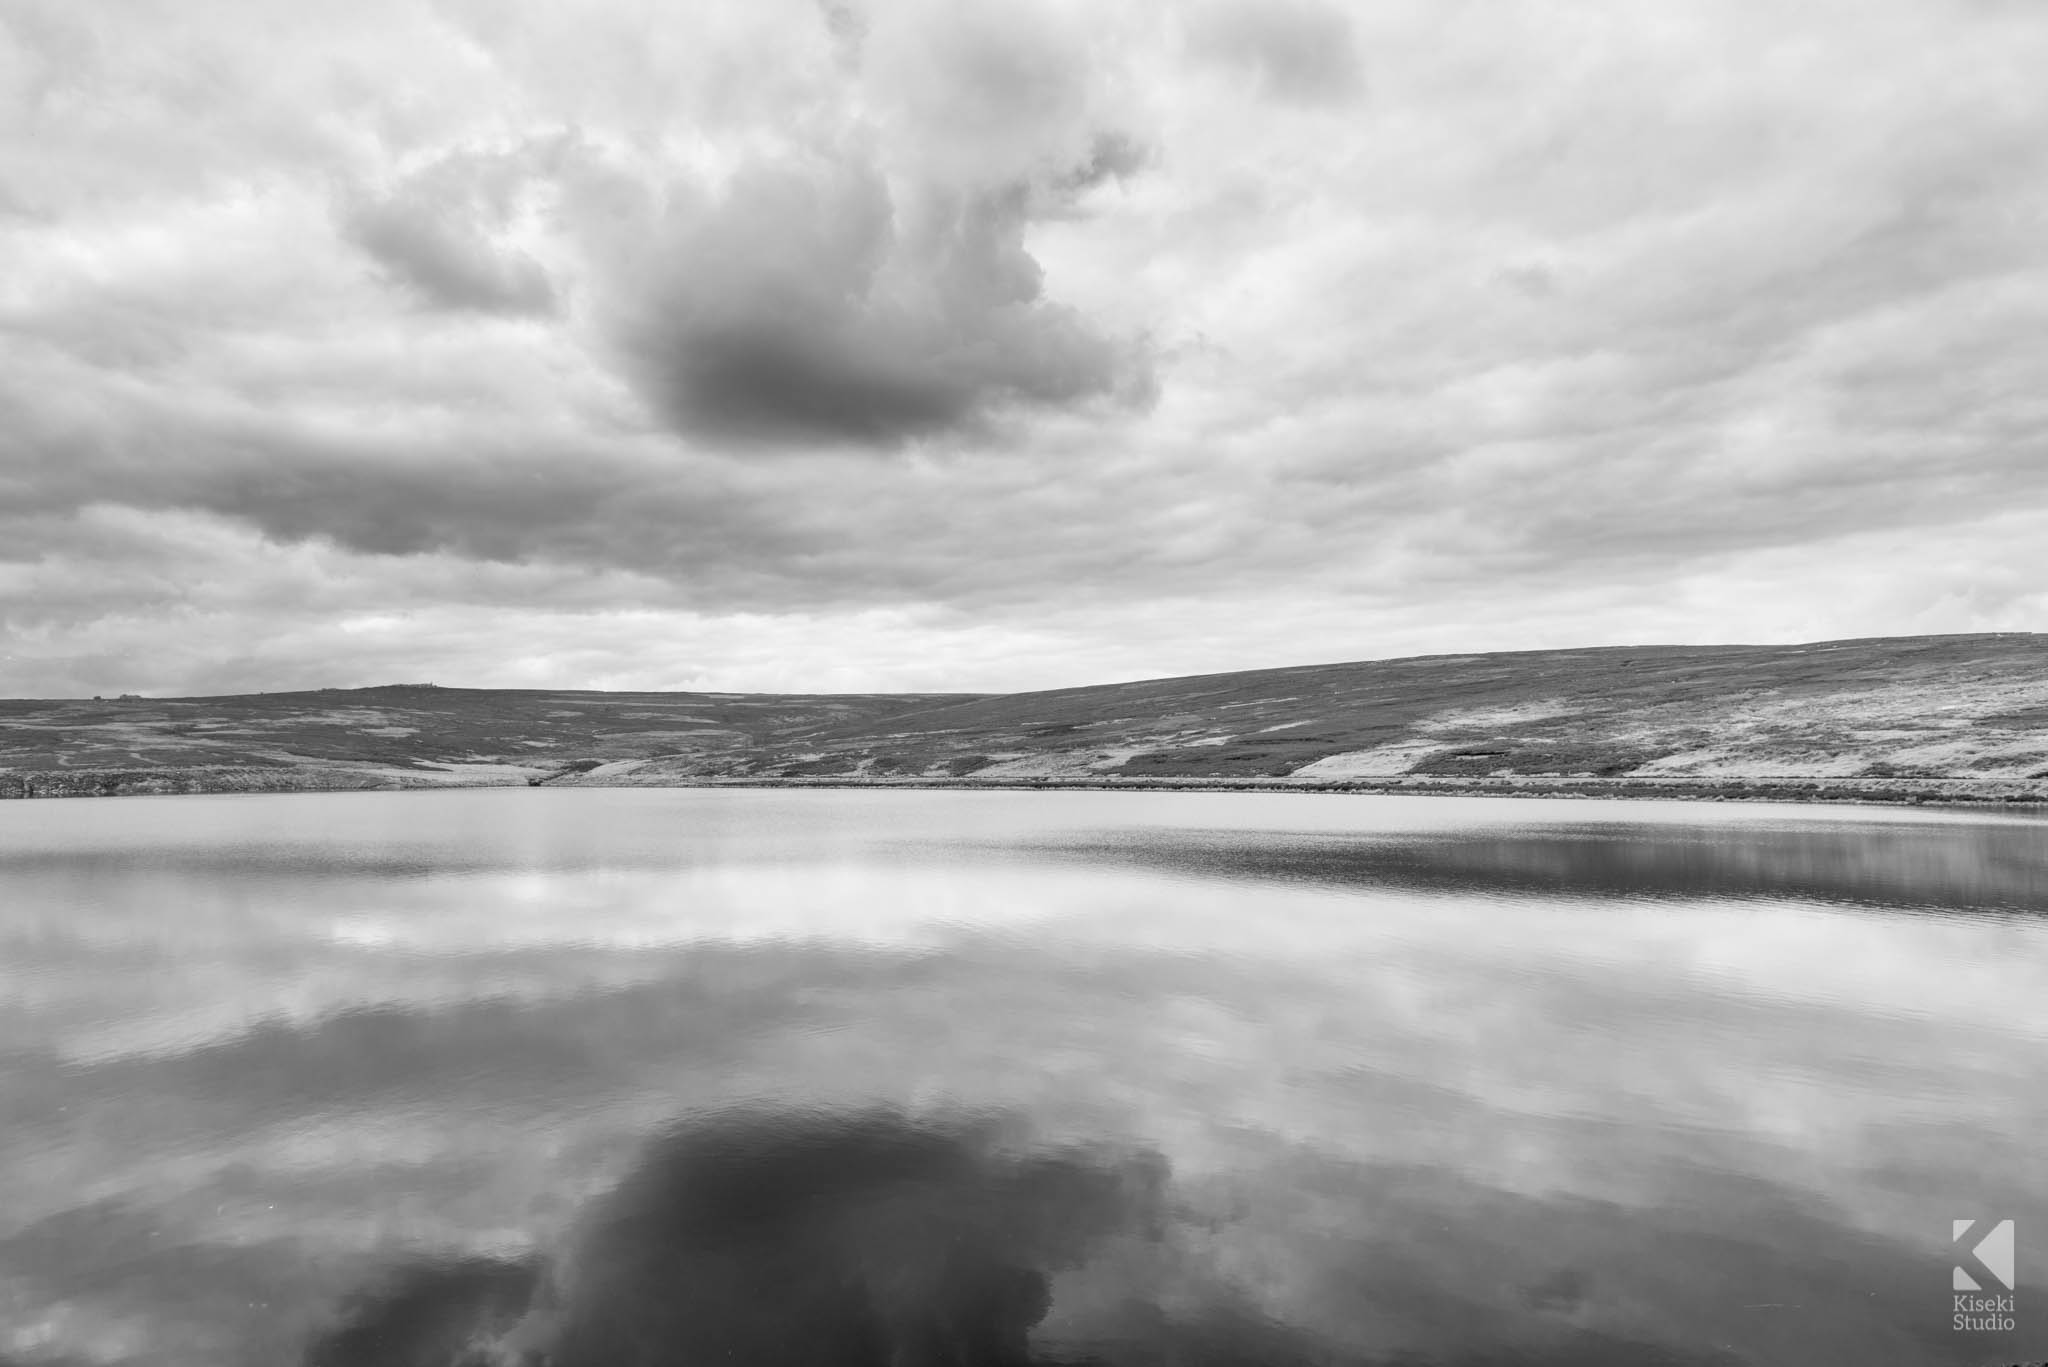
<point>851,345</point>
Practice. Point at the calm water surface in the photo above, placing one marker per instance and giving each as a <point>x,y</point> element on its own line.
<point>627,1078</point>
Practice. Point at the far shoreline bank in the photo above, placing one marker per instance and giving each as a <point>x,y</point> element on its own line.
<point>1958,793</point>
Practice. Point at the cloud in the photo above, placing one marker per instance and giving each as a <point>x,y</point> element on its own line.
<point>875,285</point>
<point>807,306</point>
<point>431,233</point>
<point>1300,51</point>
<point>1056,318</point>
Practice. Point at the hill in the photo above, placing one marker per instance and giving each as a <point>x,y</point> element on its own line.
<point>1941,716</point>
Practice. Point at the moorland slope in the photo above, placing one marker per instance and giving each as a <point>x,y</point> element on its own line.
<point>1943,717</point>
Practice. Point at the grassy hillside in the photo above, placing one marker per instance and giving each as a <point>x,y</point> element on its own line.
<point>403,735</point>
<point>1924,714</point>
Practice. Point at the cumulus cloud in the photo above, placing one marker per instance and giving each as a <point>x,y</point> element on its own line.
<point>806,305</point>
<point>876,284</point>
<point>432,233</point>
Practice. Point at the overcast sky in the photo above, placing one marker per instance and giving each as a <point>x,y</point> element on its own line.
<point>940,344</point>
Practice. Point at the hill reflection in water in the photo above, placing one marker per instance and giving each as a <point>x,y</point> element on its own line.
<point>1993,866</point>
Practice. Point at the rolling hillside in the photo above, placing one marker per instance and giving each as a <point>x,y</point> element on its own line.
<point>1947,716</point>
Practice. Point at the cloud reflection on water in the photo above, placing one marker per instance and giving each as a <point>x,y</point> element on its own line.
<point>805,1238</point>
<point>1470,1112</point>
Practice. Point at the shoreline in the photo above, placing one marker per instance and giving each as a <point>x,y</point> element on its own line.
<point>1814,791</point>
<point>1965,793</point>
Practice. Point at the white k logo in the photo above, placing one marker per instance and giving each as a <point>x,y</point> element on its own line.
<point>1982,1250</point>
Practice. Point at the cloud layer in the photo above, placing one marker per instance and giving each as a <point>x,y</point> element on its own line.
<point>995,346</point>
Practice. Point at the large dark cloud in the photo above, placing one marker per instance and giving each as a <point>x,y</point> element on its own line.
<point>812,302</point>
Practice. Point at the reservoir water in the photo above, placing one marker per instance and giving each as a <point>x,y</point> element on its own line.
<point>619,1078</point>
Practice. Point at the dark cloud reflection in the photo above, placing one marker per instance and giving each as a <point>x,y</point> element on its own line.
<point>430,1315</point>
<point>778,1238</point>
<point>814,1239</point>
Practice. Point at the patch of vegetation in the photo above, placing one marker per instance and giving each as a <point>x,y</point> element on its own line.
<point>1224,760</point>
<point>574,766</point>
<point>825,764</point>
<point>1562,759</point>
